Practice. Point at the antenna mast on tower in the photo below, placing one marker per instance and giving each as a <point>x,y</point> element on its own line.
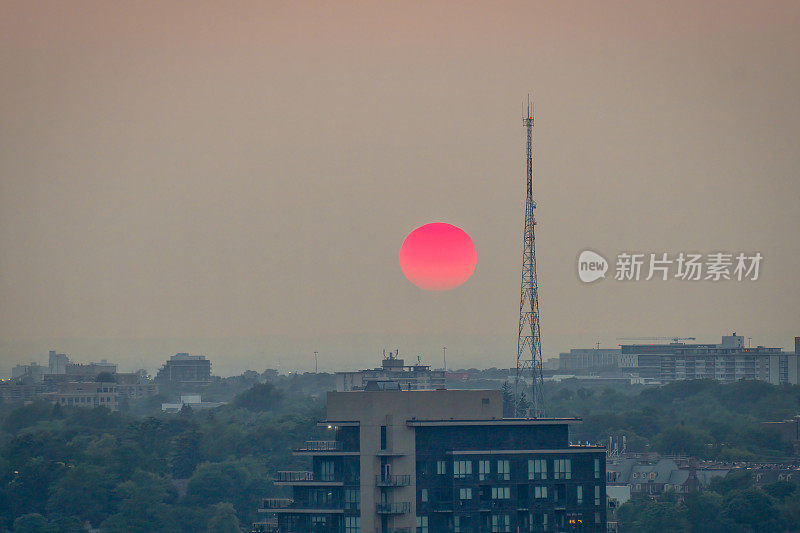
<point>529,345</point>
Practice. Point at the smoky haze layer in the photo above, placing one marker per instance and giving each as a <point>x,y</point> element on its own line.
<point>237,179</point>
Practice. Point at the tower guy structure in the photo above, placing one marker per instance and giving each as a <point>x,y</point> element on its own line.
<point>529,345</point>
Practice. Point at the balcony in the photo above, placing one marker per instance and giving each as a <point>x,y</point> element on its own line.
<point>322,446</point>
<point>268,504</point>
<point>402,480</point>
<point>393,508</point>
<point>302,477</point>
<point>292,476</point>
<point>318,447</point>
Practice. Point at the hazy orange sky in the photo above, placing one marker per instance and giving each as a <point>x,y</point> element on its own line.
<point>236,179</point>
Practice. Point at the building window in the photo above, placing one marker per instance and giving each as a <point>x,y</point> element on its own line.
<point>537,521</point>
<point>352,499</point>
<point>537,469</point>
<point>540,492</point>
<point>579,494</point>
<point>596,518</point>
<point>501,493</point>
<point>597,468</point>
<point>462,469</point>
<point>423,495</point>
<point>501,523</point>
<point>352,524</point>
<point>319,521</point>
<point>503,469</point>
<point>456,524</point>
<point>383,437</point>
<point>422,524</point>
<point>465,493</point>
<point>562,469</point>
<point>326,470</point>
<point>597,494</point>
<point>484,469</point>
<point>441,467</point>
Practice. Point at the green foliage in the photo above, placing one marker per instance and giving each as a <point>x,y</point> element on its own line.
<point>223,519</point>
<point>647,516</point>
<point>704,418</point>
<point>731,504</point>
<point>61,467</point>
<point>260,397</point>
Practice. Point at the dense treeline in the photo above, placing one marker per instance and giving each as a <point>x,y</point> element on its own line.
<point>703,418</point>
<point>64,468</point>
<point>141,470</point>
<point>729,505</point>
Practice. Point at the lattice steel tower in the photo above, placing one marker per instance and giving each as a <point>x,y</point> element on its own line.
<point>529,345</point>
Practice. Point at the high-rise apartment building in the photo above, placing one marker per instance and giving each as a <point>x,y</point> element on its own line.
<point>440,461</point>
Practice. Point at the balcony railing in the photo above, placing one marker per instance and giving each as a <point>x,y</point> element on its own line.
<point>276,503</point>
<point>400,480</point>
<point>285,476</point>
<point>321,446</point>
<point>393,508</point>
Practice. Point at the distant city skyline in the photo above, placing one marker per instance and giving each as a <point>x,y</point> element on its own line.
<point>253,354</point>
<point>237,180</point>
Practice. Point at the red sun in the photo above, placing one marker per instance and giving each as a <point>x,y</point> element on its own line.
<point>438,257</point>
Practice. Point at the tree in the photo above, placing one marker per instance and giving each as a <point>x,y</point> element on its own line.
<point>259,397</point>
<point>752,507</point>
<point>85,491</point>
<point>739,480</point>
<point>681,440</point>
<point>508,400</point>
<point>523,404</point>
<point>219,482</point>
<point>223,519</point>
<point>144,507</point>
<point>185,454</point>
<point>648,516</point>
<point>703,512</point>
<point>32,523</point>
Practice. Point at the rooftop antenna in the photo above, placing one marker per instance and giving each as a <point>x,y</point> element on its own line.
<point>529,345</point>
<point>316,354</point>
<point>444,357</point>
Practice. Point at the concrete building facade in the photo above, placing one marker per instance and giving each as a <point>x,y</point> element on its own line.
<point>589,358</point>
<point>727,362</point>
<point>435,461</point>
<point>185,368</point>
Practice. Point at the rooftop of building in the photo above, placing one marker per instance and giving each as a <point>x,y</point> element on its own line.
<point>187,357</point>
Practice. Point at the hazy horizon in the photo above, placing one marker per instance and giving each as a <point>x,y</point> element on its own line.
<point>236,179</point>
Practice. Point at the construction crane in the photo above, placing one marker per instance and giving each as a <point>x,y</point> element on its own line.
<point>673,339</point>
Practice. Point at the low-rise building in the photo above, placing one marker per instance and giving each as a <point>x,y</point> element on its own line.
<point>135,385</point>
<point>185,368</point>
<point>85,394</point>
<point>393,369</point>
<point>589,359</point>
<point>193,401</point>
<point>655,478</point>
<point>728,361</point>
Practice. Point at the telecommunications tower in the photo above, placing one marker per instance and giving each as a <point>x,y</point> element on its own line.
<point>529,345</point>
